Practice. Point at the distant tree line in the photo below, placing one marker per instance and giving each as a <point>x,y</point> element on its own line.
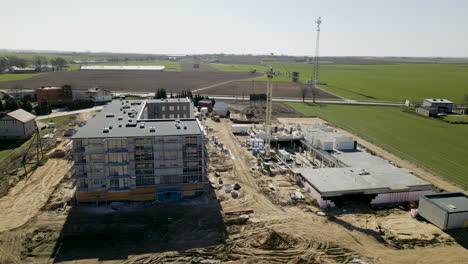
<point>9,62</point>
<point>11,104</point>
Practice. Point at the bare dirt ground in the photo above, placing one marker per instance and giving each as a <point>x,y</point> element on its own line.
<point>136,81</point>
<point>422,173</point>
<point>279,230</point>
<point>280,90</point>
<point>186,66</point>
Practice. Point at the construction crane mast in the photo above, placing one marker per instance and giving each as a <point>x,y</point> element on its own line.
<point>269,103</point>
<point>316,58</point>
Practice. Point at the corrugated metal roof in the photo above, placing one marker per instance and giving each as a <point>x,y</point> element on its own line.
<point>124,68</point>
<point>21,115</point>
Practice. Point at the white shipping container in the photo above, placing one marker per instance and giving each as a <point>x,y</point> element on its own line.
<point>239,129</point>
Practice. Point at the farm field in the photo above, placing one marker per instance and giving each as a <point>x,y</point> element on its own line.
<point>14,77</point>
<point>238,67</point>
<point>385,82</point>
<point>136,81</point>
<point>280,90</point>
<point>435,145</point>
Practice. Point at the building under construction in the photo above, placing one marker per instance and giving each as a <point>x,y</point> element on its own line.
<point>122,155</point>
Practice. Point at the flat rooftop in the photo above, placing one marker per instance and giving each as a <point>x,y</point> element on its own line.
<point>339,181</point>
<point>364,173</point>
<point>167,100</point>
<point>119,112</point>
<point>451,202</point>
<point>123,68</point>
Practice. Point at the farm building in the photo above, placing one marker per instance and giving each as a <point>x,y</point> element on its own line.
<point>96,95</point>
<point>15,69</point>
<point>122,68</point>
<point>221,109</point>
<point>17,124</point>
<point>361,177</point>
<point>432,107</point>
<point>122,156</point>
<point>445,210</point>
<point>51,95</point>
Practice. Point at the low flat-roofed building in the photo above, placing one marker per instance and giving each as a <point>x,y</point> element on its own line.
<point>445,210</point>
<point>432,107</point>
<point>122,68</point>
<point>364,177</point>
<point>121,156</point>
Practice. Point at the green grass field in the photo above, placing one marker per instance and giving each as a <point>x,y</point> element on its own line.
<point>14,77</point>
<point>8,145</point>
<point>168,64</point>
<point>238,67</point>
<point>392,82</point>
<point>432,144</point>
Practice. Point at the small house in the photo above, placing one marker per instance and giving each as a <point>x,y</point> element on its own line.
<point>433,107</point>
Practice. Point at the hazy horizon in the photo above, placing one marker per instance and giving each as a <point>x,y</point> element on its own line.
<point>361,28</point>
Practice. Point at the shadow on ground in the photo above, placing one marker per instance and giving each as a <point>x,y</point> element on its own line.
<point>103,233</point>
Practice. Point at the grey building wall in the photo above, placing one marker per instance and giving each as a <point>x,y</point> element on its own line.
<point>169,110</point>
<point>125,163</point>
<point>432,213</point>
<point>457,220</point>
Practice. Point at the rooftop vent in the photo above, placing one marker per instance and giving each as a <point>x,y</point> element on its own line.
<point>120,118</point>
<point>185,127</point>
<point>110,126</point>
<point>124,111</point>
<point>110,115</point>
<point>152,129</point>
<point>105,130</point>
<point>120,124</point>
<point>142,125</point>
<point>434,100</point>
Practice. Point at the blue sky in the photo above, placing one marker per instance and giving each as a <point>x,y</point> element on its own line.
<point>350,28</point>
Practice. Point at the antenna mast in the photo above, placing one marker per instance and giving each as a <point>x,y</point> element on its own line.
<point>316,58</point>
<point>269,102</point>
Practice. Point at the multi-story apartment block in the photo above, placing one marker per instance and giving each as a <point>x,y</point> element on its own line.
<point>123,154</point>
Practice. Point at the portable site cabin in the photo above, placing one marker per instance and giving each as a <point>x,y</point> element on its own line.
<point>221,109</point>
<point>445,210</point>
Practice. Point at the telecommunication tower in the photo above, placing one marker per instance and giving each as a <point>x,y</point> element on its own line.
<point>269,102</point>
<point>316,58</point>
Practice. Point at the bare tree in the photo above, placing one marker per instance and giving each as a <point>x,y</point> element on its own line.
<point>38,61</point>
<point>304,92</point>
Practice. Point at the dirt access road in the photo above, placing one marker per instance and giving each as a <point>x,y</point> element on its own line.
<point>312,237</point>
<point>26,199</point>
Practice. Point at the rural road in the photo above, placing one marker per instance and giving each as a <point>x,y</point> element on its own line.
<point>352,102</point>
<point>56,114</point>
<point>348,102</point>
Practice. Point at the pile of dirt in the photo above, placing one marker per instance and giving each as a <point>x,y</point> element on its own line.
<point>38,241</point>
<point>219,160</point>
<point>276,241</point>
<point>57,154</point>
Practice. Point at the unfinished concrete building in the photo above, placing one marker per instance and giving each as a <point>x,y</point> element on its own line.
<point>122,155</point>
<point>349,174</point>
